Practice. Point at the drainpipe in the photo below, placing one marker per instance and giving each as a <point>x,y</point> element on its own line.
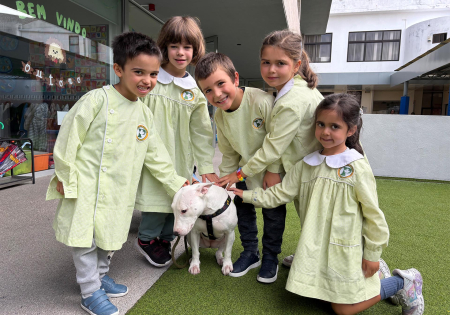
<point>404,101</point>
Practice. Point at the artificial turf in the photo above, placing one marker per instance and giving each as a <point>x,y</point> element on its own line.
<point>418,215</point>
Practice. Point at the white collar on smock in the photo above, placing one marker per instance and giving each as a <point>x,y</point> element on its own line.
<point>333,161</point>
<point>286,88</point>
<point>187,82</point>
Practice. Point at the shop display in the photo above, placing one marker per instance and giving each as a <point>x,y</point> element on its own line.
<point>10,156</point>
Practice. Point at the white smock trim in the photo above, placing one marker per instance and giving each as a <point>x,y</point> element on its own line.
<point>286,88</point>
<point>187,82</point>
<point>333,161</point>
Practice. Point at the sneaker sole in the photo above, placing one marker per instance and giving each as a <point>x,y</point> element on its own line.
<point>87,310</point>
<point>242,273</point>
<point>114,295</point>
<point>136,245</point>
<point>287,263</point>
<point>267,280</point>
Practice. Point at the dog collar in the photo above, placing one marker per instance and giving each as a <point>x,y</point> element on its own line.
<point>208,218</point>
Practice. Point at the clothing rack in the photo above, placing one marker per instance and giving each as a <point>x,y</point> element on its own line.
<point>16,179</point>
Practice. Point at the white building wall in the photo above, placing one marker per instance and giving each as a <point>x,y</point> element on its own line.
<point>340,25</point>
<point>418,37</point>
<point>410,146</point>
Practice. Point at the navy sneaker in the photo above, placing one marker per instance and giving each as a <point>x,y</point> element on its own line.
<point>154,252</point>
<point>269,269</point>
<point>113,289</point>
<point>245,262</point>
<point>99,304</point>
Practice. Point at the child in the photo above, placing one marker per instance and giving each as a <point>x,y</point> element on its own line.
<point>284,66</point>
<point>343,229</point>
<point>182,120</point>
<point>241,128</point>
<point>104,141</point>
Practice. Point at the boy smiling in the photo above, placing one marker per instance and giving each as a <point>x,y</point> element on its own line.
<point>241,129</point>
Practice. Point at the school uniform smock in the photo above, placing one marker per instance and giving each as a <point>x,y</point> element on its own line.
<point>291,128</point>
<point>241,133</point>
<point>103,143</point>
<point>341,225</point>
<point>182,120</point>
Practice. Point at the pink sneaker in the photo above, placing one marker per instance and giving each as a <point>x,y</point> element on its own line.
<point>410,296</point>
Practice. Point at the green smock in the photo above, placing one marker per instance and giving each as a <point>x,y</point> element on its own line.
<point>291,129</point>
<point>341,224</point>
<point>241,133</point>
<point>102,146</point>
<point>182,120</point>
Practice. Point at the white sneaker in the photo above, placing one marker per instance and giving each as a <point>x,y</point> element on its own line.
<point>287,261</point>
<point>383,273</point>
<point>410,296</point>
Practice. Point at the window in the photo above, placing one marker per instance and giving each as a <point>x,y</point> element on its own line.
<point>438,38</point>
<point>74,44</point>
<point>374,46</point>
<point>318,47</point>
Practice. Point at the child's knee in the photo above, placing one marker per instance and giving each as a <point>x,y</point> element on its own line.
<point>342,309</point>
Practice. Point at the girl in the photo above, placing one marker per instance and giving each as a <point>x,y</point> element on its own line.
<point>284,66</point>
<point>182,120</point>
<point>343,229</point>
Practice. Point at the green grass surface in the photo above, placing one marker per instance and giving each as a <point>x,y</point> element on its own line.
<point>418,214</point>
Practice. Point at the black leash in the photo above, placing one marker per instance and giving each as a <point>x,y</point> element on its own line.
<point>187,253</point>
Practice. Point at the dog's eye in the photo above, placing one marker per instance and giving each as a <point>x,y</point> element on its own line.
<point>183,211</point>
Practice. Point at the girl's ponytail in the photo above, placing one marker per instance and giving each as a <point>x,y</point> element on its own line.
<point>306,72</point>
<point>292,45</point>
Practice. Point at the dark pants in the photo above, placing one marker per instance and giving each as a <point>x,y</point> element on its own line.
<point>274,222</point>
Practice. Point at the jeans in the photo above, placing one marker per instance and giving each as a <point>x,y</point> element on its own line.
<point>274,223</point>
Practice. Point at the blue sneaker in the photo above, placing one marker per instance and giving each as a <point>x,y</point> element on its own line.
<point>99,304</point>
<point>245,262</point>
<point>269,269</point>
<point>113,289</point>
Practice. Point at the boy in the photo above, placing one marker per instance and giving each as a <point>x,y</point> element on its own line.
<point>241,129</point>
<point>103,143</point>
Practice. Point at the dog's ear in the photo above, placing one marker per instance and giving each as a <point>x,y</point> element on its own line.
<point>203,189</point>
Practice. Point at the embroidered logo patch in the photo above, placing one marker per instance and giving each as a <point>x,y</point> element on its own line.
<point>346,171</point>
<point>257,123</point>
<point>187,95</point>
<point>141,133</point>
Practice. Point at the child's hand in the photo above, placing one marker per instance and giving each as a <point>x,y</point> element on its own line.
<point>228,180</point>
<point>369,267</point>
<point>271,179</point>
<point>60,188</point>
<point>237,192</point>
<point>186,183</point>
<point>212,177</point>
<point>194,181</point>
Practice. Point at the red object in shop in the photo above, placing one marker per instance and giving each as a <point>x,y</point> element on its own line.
<point>41,162</point>
<point>151,7</point>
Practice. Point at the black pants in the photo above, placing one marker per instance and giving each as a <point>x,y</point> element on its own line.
<point>274,223</point>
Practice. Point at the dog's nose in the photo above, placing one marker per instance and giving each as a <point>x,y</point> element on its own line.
<point>176,233</point>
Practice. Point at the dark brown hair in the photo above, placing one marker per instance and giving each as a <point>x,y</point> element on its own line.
<point>349,110</point>
<point>129,45</point>
<point>178,29</point>
<point>292,44</point>
<point>210,62</point>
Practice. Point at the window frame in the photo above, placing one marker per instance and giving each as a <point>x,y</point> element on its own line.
<point>382,41</point>
<point>439,34</point>
<point>319,43</point>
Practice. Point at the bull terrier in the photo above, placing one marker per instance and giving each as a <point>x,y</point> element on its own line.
<point>191,207</point>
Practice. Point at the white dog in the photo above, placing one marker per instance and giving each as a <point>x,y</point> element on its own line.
<point>191,204</point>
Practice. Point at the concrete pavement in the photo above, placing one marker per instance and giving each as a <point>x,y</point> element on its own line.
<point>37,275</point>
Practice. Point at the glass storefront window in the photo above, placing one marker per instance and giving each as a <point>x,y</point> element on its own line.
<point>51,54</point>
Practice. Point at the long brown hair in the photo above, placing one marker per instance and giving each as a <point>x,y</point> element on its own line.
<point>292,43</point>
<point>349,110</point>
<point>178,29</point>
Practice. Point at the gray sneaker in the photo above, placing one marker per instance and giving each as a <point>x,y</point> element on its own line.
<point>287,261</point>
<point>410,296</point>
